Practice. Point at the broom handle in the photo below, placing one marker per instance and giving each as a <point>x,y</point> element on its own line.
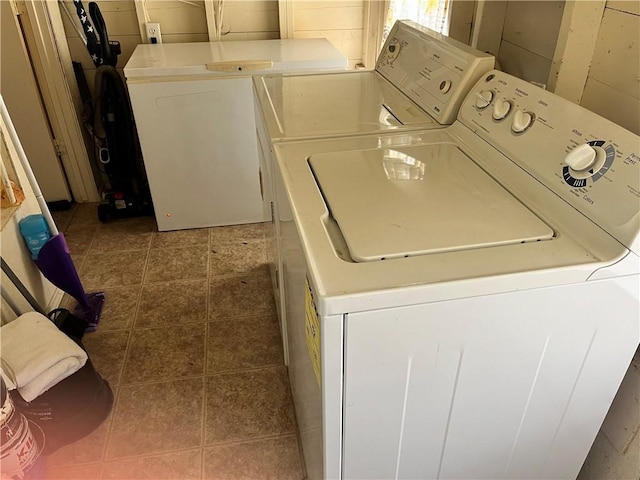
<point>21,288</point>
<point>27,168</point>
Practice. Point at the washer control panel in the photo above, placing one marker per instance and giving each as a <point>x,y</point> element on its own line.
<point>587,160</point>
<point>433,70</point>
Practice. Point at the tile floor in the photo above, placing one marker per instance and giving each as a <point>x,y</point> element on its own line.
<point>190,343</point>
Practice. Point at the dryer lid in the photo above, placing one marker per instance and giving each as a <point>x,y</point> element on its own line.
<point>391,203</point>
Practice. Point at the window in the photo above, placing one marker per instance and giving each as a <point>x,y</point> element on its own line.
<point>433,14</point>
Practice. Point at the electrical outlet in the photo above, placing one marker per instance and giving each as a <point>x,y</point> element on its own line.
<point>153,32</point>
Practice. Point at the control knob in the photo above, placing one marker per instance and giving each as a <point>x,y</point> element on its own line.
<point>483,99</point>
<point>521,121</point>
<point>581,158</point>
<point>501,109</point>
<point>445,86</point>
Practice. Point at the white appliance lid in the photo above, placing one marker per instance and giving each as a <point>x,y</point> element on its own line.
<point>338,104</point>
<point>259,56</point>
<point>392,203</point>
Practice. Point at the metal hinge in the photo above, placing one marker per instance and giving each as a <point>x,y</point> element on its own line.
<point>59,148</point>
<point>20,7</point>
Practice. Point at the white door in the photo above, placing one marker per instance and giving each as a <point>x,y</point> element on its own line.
<point>21,95</point>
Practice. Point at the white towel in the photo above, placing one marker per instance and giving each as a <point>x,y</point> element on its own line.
<point>36,355</point>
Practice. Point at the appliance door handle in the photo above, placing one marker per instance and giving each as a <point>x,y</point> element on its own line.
<point>239,66</point>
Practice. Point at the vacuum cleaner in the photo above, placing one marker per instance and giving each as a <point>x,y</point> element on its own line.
<point>109,119</point>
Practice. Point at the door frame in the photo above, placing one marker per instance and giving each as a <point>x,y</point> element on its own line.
<point>43,33</point>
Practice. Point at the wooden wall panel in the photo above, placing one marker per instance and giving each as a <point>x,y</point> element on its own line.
<point>487,33</point>
<point>461,21</point>
<point>529,38</point>
<point>616,60</point>
<point>120,20</point>
<point>122,25</point>
<point>259,18</point>
<point>339,21</point>
<point>574,50</point>
<point>522,63</point>
<point>233,36</point>
<point>533,26</point>
<point>328,15</point>
<point>348,42</point>
<point>628,6</point>
<point>612,88</point>
<point>119,16</point>
<point>184,37</point>
<point>177,17</point>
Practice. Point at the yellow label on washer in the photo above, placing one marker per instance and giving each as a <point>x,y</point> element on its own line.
<point>312,330</point>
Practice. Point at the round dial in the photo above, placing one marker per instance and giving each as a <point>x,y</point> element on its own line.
<point>581,158</point>
<point>483,99</point>
<point>501,109</point>
<point>445,86</point>
<point>591,160</point>
<point>521,121</point>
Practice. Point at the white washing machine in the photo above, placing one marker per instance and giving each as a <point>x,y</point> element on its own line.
<point>420,80</point>
<point>461,302</point>
<point>194,112</point>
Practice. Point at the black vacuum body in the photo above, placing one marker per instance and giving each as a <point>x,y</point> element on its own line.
<point>109,118</point>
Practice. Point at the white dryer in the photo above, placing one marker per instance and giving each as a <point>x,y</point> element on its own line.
<point>461,302</point>
<point>194,112</point>
<point>420,80</point>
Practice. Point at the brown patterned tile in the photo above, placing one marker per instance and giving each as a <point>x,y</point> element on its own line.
<point>181,238</point>
<point>166,265</point>
<point>184,465</point>
<point>85,214</point>
<point>155,418</point>
<point>157,354</point>
<point>62,218</point>
<point>172,303</point>
<point>143,224</point>
<point>119,308</point>
<point>78,261</point>
<point>270,459</point>
<point>112,240</point>
<point>246,257</point>
<point>156,429</point>
<point>245,295</point>
<point>247,405</point>
<point>79,472</point>
<point>107,352</point>
<point>79,239</point>
<point>245,342</point>
<point>235,234</point>
<point>103,270</point>
<point>80,227</point>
